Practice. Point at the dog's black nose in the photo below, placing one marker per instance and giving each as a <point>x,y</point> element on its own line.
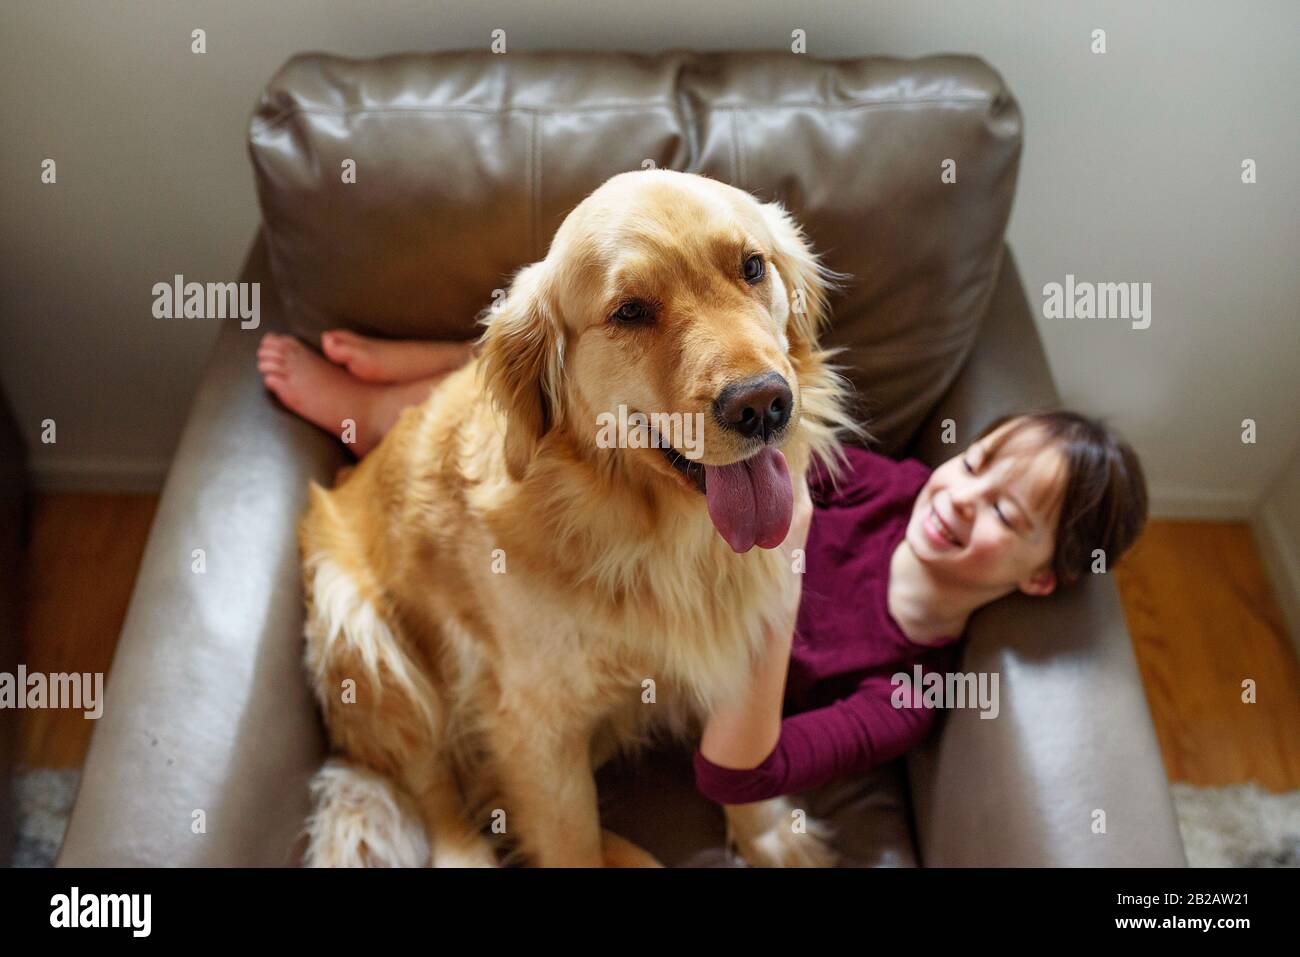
<point>757,407</point>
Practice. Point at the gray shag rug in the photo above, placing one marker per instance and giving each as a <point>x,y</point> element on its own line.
<point>44,800</point>
<point>1241,825</point>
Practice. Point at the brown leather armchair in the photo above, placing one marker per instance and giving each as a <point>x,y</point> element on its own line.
<point>465,163</point>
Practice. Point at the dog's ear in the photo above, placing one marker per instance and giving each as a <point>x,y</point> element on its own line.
<point>521,361</point>
<point>808,282</point>
<point>825,395</point>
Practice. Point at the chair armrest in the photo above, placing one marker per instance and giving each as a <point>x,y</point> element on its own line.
<point>1073,735</point>
<point>208,707</point>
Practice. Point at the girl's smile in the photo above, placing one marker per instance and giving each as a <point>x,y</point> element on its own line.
<point>986,518</point>
<point>939,531</point>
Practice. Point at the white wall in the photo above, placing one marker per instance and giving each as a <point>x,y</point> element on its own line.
<point>1131,173</point>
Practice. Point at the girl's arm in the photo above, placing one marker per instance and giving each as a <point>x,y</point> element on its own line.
<point>743,734</point>
<point>875,724</point>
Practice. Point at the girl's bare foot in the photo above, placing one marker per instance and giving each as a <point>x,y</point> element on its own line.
<point>392,360</point>
<point>332,398</point>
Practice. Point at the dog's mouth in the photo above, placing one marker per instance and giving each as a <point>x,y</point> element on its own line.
<point>751,502</point>
<point>692,471</point>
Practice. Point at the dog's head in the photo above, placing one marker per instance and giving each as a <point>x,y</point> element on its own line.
<point>672,328</point>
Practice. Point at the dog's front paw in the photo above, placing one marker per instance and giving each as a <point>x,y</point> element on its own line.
<point>472,853</point>
<point>783,847</point>
<point>776,834</point>
<point>620,852</point>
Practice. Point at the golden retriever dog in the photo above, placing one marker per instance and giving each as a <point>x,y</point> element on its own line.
<point>499,601</point>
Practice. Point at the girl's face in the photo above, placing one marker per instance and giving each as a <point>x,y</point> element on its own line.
<point>989,521</point>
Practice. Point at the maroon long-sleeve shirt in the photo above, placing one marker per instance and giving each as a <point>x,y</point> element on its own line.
<point>840,718</point>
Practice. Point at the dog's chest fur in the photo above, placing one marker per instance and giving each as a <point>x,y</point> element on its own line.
<point>630,622</point>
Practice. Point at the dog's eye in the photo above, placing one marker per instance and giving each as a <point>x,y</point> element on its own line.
<point>633,312</point>
<point>754,269</point>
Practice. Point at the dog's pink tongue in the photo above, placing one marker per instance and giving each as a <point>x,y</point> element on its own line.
<point>752,501</point>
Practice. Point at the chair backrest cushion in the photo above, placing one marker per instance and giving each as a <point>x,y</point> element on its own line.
<point>397,193</point>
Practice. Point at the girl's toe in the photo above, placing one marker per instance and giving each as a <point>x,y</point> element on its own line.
<point>334,346</point>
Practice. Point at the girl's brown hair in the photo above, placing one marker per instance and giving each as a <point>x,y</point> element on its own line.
<point>1104,498</point>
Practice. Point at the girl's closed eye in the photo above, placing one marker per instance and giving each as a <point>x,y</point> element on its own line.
<point>997,507</point>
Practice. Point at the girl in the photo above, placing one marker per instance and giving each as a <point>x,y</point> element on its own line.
<point>896,560</point>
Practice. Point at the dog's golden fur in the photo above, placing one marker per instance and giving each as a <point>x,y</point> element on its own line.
<point>496,605</point>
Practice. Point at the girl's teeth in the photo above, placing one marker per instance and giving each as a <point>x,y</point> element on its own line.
<point>939,526</point>
<point>936,529</point>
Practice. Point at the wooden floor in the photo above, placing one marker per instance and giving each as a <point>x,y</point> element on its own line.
<point>1196,598</point>
<point>1203,622</point>
<point>81,567</point>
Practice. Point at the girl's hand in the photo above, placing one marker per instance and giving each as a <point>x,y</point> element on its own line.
<point>801,519</point>
<point>792,549</point>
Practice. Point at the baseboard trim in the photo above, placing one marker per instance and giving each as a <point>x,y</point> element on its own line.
<point>1173,502</point>
<point>1282,564</point>
<point>96,473</point>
